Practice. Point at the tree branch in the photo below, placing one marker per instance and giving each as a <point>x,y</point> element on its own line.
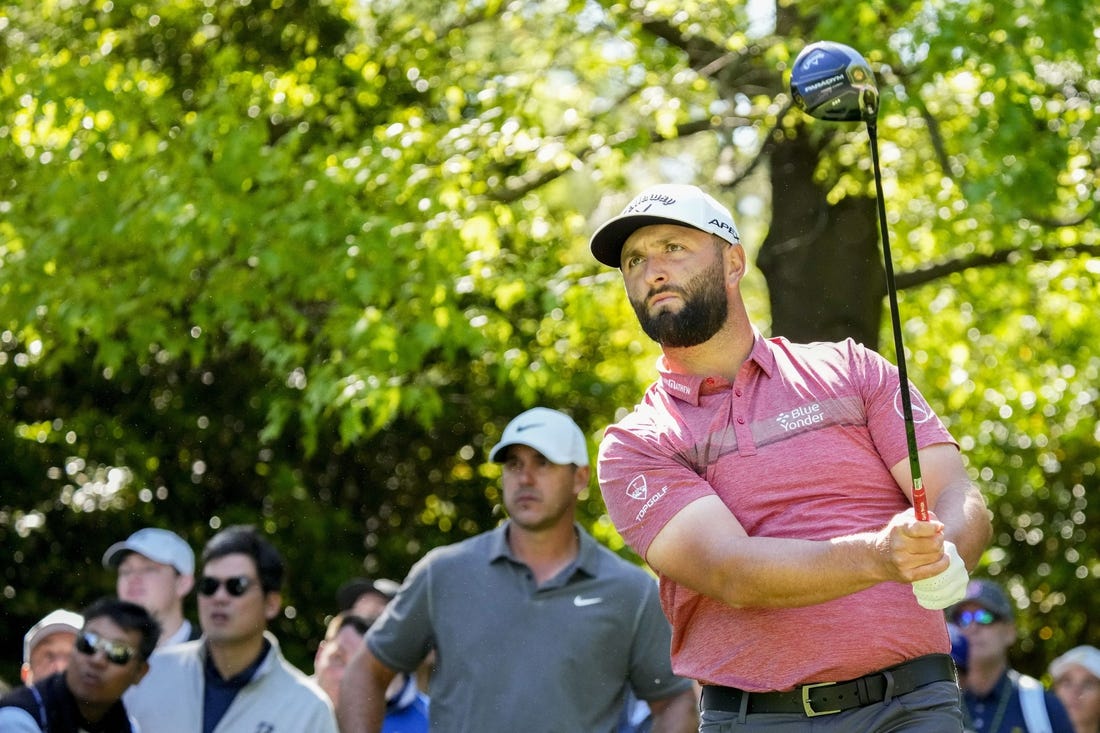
<point>1044,253</point>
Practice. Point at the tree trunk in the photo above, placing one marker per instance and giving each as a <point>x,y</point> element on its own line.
<point>828,256</point>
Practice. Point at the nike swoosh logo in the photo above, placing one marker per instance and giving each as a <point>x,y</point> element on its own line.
<point>578,601</point>
<point>521,428</point>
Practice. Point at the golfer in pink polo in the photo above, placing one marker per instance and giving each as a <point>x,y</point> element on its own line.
<point>767,483</point>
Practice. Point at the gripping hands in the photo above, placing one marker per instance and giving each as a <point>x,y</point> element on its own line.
<point>947,588</point>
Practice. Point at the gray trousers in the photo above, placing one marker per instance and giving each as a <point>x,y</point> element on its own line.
<point>934,708</point>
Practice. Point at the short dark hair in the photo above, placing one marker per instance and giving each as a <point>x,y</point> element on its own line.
<point>245,540</point>
<point>128,616</point>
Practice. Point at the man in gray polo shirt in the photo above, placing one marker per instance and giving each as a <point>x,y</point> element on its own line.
<point>535,625</point>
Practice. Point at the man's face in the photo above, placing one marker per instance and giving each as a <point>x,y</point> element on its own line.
<point>49,656</point>
<point>93,679</point>
<point>332,658</point>
<point>988,636</point>
<point>1079,691</point>
<point>675,279</point>
<point>228,619</point>
<point>538,493</point>
<point>155,586</point>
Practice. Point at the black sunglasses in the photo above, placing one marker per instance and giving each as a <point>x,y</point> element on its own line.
<point>115,651</point>
<point>236,586</point>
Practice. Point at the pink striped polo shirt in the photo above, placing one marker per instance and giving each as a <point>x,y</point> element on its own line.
<point>798,446</point>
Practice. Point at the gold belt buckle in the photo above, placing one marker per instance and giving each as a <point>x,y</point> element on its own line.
<point>807,706</point>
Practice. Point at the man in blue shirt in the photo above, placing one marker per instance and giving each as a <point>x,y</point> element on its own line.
<point>998,699</point>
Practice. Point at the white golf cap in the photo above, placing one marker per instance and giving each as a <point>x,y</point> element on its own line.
<point>159,545</point>
<point>551,433</point>
<point>51,623</point>
<point>667,203</point>
<point>1085,656</point>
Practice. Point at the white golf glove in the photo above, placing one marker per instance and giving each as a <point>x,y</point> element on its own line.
<point>947,588</point>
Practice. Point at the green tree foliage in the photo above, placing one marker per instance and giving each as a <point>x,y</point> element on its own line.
<point>295,263</point>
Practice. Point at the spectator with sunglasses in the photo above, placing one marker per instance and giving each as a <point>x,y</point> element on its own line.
<point>997,698</point>
<point>234,678</point>
<point>110,654</point>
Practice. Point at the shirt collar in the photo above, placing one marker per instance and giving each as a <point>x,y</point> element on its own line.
<point>260,666</point>
<point>691,388</point>
<point>587,556</point>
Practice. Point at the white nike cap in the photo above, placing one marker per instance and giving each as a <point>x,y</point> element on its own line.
<point>551,433</point>
<point>666,203</point>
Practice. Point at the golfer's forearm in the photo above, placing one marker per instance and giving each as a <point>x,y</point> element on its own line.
<point>966,520</point>
<point>783,573</point>
<point>704,548</point>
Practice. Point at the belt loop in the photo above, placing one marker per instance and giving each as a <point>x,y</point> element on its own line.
<point>744,707</point>
<point>889,695</point>
<point>861,691</point>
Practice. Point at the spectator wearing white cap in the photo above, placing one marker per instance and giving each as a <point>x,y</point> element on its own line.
<point>534,623</point>
<point>49,644</point>
<point>156,570</point>
<point>110,655</point>
<point>1076,676</point>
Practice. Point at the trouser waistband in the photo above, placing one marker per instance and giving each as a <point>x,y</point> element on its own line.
<point>825,698</point>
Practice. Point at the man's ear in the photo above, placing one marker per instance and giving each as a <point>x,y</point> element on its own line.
<point>184,584</point>
<point>735,263</point>
<point>273,601</point>
<point>142,670</point>
<point>580,479</point>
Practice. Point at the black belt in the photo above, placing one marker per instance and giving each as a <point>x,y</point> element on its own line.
<point>825,698</point>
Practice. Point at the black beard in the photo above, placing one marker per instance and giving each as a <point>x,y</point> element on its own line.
<point>703,313</point>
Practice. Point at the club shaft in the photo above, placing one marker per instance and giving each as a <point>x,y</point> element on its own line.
<point>920,501</point>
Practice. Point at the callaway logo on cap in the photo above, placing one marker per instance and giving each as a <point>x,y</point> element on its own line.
<point>667,203</point>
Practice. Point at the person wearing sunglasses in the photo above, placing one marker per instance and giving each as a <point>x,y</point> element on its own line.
<point>234,678</point>
<point>997,698</point>
<point>110,654</point>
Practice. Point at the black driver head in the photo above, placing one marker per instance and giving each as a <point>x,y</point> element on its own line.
<point>832,81</point>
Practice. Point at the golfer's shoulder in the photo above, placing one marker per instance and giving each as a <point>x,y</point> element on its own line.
<point>813,353</point>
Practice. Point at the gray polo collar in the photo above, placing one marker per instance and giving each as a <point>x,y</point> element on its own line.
<point>587,558</point>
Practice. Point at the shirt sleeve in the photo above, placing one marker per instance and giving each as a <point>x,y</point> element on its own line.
<point>403,635</point>
<point>881,387</point>
<point>644,480</point>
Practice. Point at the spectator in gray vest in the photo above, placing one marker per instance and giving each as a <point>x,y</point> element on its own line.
<point>535,625</point>
<point>234,678</point>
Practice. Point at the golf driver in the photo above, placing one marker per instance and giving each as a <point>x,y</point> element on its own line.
<point>831,81</point>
